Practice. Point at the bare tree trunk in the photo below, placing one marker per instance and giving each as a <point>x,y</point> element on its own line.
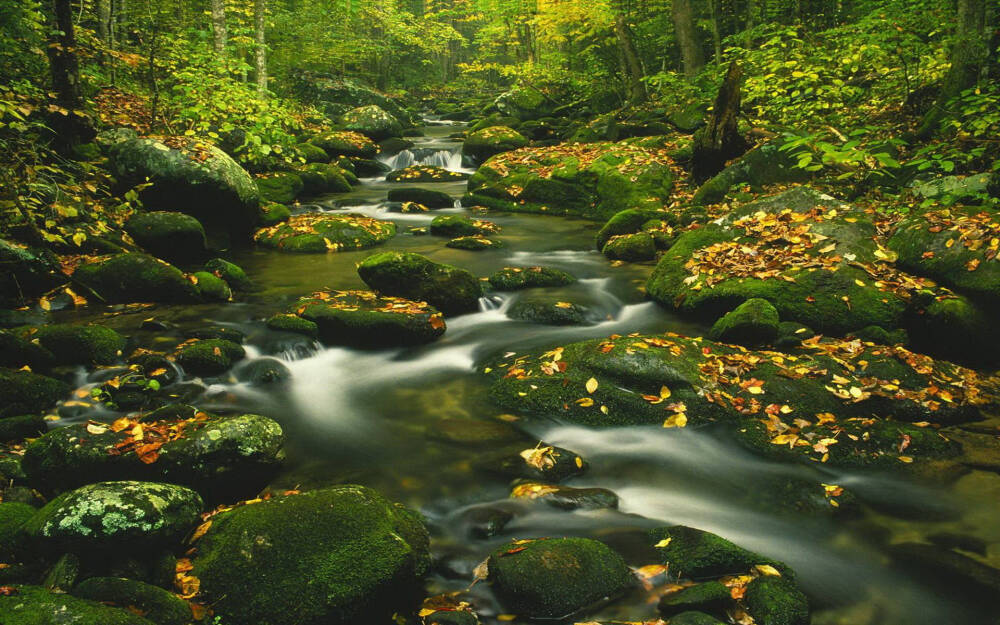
<point>720,141</point>
<point>713,6</point>
<point>633,68</point>
<point>219,27</point>
<point>103,20</point>
<point>687,38</point>
<point>63,61</point>
<point>260,14</point>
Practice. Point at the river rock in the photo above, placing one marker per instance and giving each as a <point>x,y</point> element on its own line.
<point>233,274</point>
<point>630,247</point>
<point>412,276</point>
<point>158,605</point>
<point>426,197</point>
<point>25,392</point>
<point>764,165</point>
<point>594,180</point>
<point>566,497</point>
<point>474,243</point>
<point>425,173</point>
<point>555,577</point>
<point>550,312</point>
<point>132,277</point>
<point>293,323</point>
<point>175,237</point>
<point>751,324</point>
<point>193,177</point>
<point>461,226</point>
<point>517,278</point>
<point>662,225</point>
<point>18,351</point>
<point>34,605</point>
<point>340,143</point>
<point>312,153</point>
<point>218,456</point>
<point>775,600</point>
<point>325,178</point>
<point>341,556</point>
<point>482,144</point>
<point>318,233</point>
<point>81,345</point>
<point>282,187</point>
<point>263,372</point>
<point>366,319</point>
<point>373,122</point>
<point>27,272</point>
<point>708,597</point>
<point>207,357</point>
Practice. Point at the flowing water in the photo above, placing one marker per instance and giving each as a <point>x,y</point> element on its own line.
<point>388,418</point>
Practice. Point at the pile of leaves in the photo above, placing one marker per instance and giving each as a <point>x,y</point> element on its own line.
<point>629,160</point>
<point>973,232</point>
<point>145,438</point>
<point>351,301</point>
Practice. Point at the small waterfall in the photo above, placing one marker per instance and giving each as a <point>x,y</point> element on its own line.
<point>448,159</point>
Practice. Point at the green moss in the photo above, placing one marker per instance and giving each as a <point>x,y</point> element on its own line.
<point>363,556</point>
<point>486,142</point>
<point>364,319</point>
<point>293,323</point>
<point>281,187</point>
<point>751,324</point>
<point>136,278</point>
<point>325,178</point>
<point>776,601</point>
<point>82,345</point>
<point>426,197</point>
<point>548,312</point>
<point>474,243</point>
<point>233,274</point>
<point>25,392</point>
<point>630,247</point>
<point>209,357</point>
<point>346,144</point>
<point>516,278</point>
<point>160,606</point>
<point>18,428</point>
<point>17,351</point>
<point>696,554</point>
<point>373,122</point>
<point>412,276</point>
<point>711,597</point>
<point>425,173</point>
<point>460,226</point>
<point>314,233</point>
<point>212,288</point>
<point>168,235</point>
<point>628,221</point>
<point>552,578</point>
<point>312,153</point>
<point>272,214</point>
<point>34,605</point>
<point>13,517</point>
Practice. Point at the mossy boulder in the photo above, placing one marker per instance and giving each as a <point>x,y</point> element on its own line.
<point>81,345</point>
<point>767,164</point>
<point>312,153</point>
<point>18,351</point>
<point>218,456</point>
<point>482,144</point>
<point>517,278</point>
<point>954,327</point>
<point>366,319</point>
<point>373,122</point>
<point>13,517</point>
<point>412,276</point>
<point>158,605</point>
<point>18,428</point>
<point>211,287</point>
<point>461,226</point>
<point>233,274</point>
<point>425,197</point>
<point>475,243</point>
<point>132,277</point>
<point>633,220</point>
<point>318,233</point>
<point>25,392</point>
<point>115,515</point>
<point>751,324</point>
<point>709,597</point>
<point>594,181</point>
<point>524,103</point>
<point>812,257</point>
<point>293,323</point>
<point>263,372</point>
<point>548,312</point>
<point>425,173</point>
<point>775,600</point>
<point>340,556</point>
<point>282,187</point>
<point>175,237</point>
<point>191,176</point>
<point>340,143</point>
<point>208,357</point>
<point>27,272</point>
<point>556,577</point>
<point>630,247</point>
<point>35,605</point>
<point>325,178</point>
<point>698,555</point>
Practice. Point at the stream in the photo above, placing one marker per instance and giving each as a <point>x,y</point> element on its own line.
<point>417,424</point>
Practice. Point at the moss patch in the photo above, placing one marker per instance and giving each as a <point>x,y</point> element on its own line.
<point>365,319</point>
<point>412,276</point>
<point>313,233</point>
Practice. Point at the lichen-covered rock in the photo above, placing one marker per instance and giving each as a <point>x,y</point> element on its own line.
<point>218,456</point>
<point>373,122</point>
<point>115,515</point>
<point>487,142</point>
<point>425,173</point>
<point>34,605</point>
<point>81,345</point>
<point>211,287</point>
<point>767,164</point>
<point>474,243</point>
<point>318,233</point>
<point>27,272</point>
<point>25,392</point>
<point>517,278</point>
<point>174,237</point>
<point>340,556</point>
<point>461,226</point>
<point>425,197</point>
<point>365,319</point>
<point>339,143</point>
<point>594,180</point>
<point>208,357</point>
<point>555,577</point>
<point>552,313</point>
<point>412,276</point>
<point>233,274</point>
<point>630,247</point>
<point>131,277</point>
<point>751,324</point>
<point>193,177</point>
<point>158,605</point>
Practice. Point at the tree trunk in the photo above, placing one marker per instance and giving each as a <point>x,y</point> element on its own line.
<point>63,61</point>
<point>720,141</point>
<point>633,68</point>
<point>968,58</point>
<point>219,27</point>
<point>104,20</point>
<point>260,13</point>
<point>713,6</point>
<point>687,38</point>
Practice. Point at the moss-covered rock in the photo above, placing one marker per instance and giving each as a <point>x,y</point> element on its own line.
<point>293,323</point>
<point>365,319</point>
<point>115,515</point>
<point>373,122</point>
<point>630,247</point>
<point>312,153</point>
<point>25,392</point>
<point>517,278</point>
<point>551,312</point>
<point>368,168</point>
<point>136,278</point>
<point>210,287</point>
<point>710,597</point>
<point>566,497</point>
<point>263,372</point>
<point>190,176</point>
<point>325,178</point>
<point>81,345</point>
<point>233,274</point>
<point>523,103</point>
<point>813,258</point>
<point>218,456</point>
<point>461,226</point>
<point>412,276</point>
<point>18,428</point>
<point>424,173</point>
<point>953,327</point>
<point>482,144</point>
<point>317,233</point>
<point>475,243</point>
<point>633,220</point>
<point>18,351</point>
<point>772,600</point>
<point>556,577</point>
<point>341,143</point>
<point>34,605</point>
<point>767,164</point>
<point>208,356</point>
<point>272,214</point>
<point>751,324</point>
<point>175,237</point>
<point>282,187</point>
<point>363,557</point>
<point>158,605</point>
<point>425,197</point>
<point>594,180</point>
<point>13,517</point>
<point>697,554</point>
<point>26,272</point>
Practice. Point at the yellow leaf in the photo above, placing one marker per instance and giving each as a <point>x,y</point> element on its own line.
<point>755,390</point>
<point>767,569</point>
<point>586,402</point>
<point>785,439</point>
<point>96,428</point>
<point>906,459</point>
<point>678,420</point>
<point>663,543</point>
<point>664,392</point>
<point>591,385</point>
